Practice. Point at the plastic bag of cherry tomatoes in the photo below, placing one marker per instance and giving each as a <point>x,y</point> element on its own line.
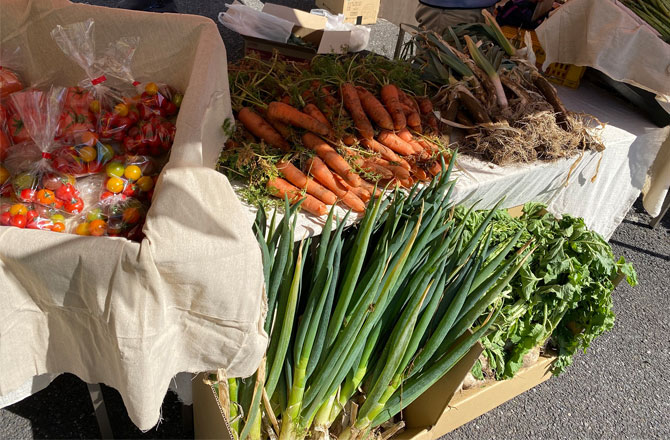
<point>33,177</point>
<point>153,106</point>
<point>114,216</point>
<point>31,216</point>
<point>132,176</point>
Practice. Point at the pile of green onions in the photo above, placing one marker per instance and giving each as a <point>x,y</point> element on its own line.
<point>363,320</point>
<point>654,12</point>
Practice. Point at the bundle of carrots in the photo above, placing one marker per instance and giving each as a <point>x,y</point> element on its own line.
<point>313,153</point>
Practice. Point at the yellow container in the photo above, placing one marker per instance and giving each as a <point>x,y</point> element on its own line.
<point>562,74</point>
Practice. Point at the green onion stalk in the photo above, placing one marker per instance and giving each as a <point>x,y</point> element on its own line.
<point>487,67</point>
<point>371,316</point>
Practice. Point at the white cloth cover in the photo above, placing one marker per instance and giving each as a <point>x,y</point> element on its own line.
<point>189,297</point>
<point>609,37</point>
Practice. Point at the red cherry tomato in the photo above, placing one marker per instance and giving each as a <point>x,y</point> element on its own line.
<point>9,83</point>
<point>66,193</point>
<point>74,207</point>
<point>17,129</point>
<point>31,215</point>
<point>19,221</point>
<point>5,218</point>
<point>27,195</point>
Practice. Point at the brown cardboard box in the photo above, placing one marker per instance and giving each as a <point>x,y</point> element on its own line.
<point>434,414</point>
<point>208,422</point>
<point>355,11</point>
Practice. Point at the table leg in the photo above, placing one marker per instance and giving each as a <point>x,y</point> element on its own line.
<point>187,417</point>
<point>399,43</point>
<point>100,410</point>
<point>664,210</point>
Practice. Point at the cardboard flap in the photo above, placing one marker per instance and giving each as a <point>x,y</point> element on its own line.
<point>332,41</point>
<point>300,18</point>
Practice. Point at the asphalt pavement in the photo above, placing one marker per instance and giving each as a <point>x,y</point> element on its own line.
<point>618,389</point>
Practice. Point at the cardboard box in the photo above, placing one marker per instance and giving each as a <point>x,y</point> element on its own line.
<point>208,420</point>
<point>434,414</point>
<point>308,27</point>
<point>355,11</point>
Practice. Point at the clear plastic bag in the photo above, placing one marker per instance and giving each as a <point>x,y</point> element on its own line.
<point>143,124</point>
<point>248,21</point>
<point>30,216</point>
<point>77,42</point>
<point>34,180</point>
<point>114,216</point>
<point>133,177</point>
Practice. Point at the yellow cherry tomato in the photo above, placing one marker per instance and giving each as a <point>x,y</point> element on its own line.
<point>94,106</point>
<point>87,153</point>
<point>97,227</point>
<point>115,185</point>
<point>145,183</point>
<point>121,109</point>
<point>132,172</point>
<point>4,175</point>
<point>57,218</point>
<point>18,209</point>
<point>114,169</point>
<point>151,88</point>
<point>82,229</point>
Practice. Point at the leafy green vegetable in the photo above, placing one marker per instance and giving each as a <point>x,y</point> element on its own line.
<point>562,295</point>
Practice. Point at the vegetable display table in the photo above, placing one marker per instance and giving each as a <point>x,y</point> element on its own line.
<point>188,297</point>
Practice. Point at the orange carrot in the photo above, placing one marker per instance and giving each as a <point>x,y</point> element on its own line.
<point>405,135</point>
<point>348,140</point>
<point>426,107</point>
<point>398,171</point>
<point>314,112</point>
<point>383,150</point>
<point>328,96</point>
<point>413,117</point>
<point>419,173</point>
<point>375,109</point>
<point>435,168</point>
<point>371,188</point>
<point>395,143</point>
<point>332,158</point>
<point>325,177</point>
<point>231,144</point>
<point>286,99</point>
<point>360,192</point>
<point>259,127</point>
<point>282,128</point>
<point>391,100</point>
<point>353,104</point>
<point>281,188</point>
<point>372,167</point>
<point>292,116</point>
<point>297,178</point>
